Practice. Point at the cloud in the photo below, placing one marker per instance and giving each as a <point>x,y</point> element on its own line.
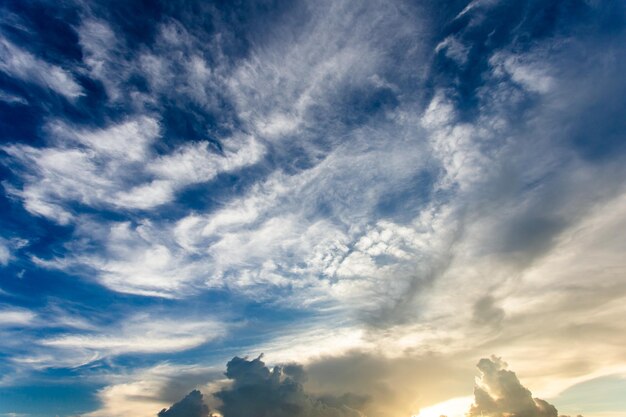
<point>103,55</point>
<point>318,389</point>
<point>9,247</point>
<point>117,167</point>
<point>140,392</point>
<point>11,317</point>
<point>21,64</point>
<point>487,312</point>
<point>408,187</point>
<point>190,406</point>
<point>255,389</point>
<point>319,218</point>
<point>142,334</point>
<point>193,62</point>
<point>12,99</point>
<point>282,89</point>
<point>5,252</point>
<point>499,393</point>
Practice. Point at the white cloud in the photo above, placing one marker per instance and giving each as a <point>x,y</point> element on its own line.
<point>16,317</point>
<point>103,55</point>
<point>12,99</point>
<point>5,252</point>
<point>525,70</point>
<point>196,162</point>
<point>8,248</point>
<point>21,64</point>
<point>117,167</point>
<point>454,49</point>
<point>142,334</point>
<point>173,59</point>
<point>289,79</point>
<point>136,395</point>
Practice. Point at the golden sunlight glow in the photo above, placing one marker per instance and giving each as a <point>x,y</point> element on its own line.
<point>455,407</point>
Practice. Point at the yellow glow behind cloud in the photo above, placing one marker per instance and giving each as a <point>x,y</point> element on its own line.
<point>455,407</point>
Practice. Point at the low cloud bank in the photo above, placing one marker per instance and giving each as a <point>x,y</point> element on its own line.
<point>256,390</point>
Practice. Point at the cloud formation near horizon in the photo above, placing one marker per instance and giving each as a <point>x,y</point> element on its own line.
<point>254,389</point>
<point>499,393</point>
<point>190,406</point>
<point>257,390</point>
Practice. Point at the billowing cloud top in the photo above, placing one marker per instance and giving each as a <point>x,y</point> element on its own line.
<point>383,191</point>
<point>499,393</point>
<point>190,406</point>
<point>256,390</point>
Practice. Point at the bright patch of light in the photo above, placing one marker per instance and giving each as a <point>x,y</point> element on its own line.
<point>455,407</point>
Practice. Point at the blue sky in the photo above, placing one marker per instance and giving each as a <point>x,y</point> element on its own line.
<point>384,192</point>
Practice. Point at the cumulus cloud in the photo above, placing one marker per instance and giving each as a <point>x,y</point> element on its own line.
<point>257,390</point>
<point>499,393</point>
<point>254,389</point>
<point>190,406</point>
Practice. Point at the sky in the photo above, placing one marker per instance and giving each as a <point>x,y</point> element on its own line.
<point>323,208</point>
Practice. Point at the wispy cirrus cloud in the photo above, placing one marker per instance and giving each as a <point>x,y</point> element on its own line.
<point>141,335</point>
<point>23,65</point>
<point>65,343</point>
<point>16,317</point>
<point>117,167</point>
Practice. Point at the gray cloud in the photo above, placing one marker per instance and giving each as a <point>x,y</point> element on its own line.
<point>190,406</point>
<point>487,312</point>
<point>257,390</point>
<point>291,390</point>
